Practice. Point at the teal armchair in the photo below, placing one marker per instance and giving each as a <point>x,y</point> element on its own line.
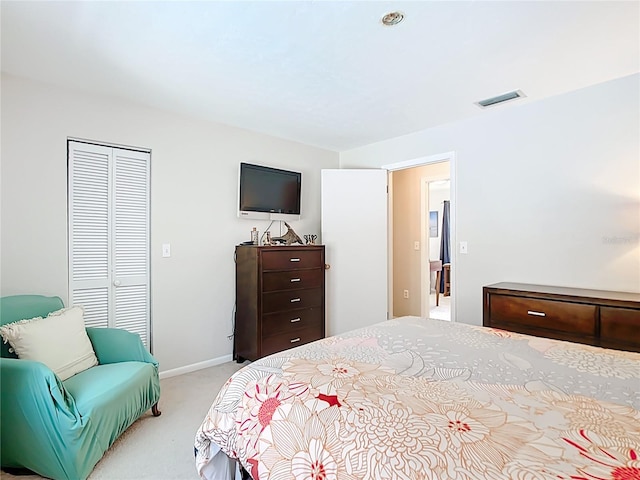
<point>61,429</point>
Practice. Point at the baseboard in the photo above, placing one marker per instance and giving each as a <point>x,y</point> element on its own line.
<point>195,366</point>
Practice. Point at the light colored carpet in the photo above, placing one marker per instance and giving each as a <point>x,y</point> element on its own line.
<point>162,448</point>
<point>443,311</point>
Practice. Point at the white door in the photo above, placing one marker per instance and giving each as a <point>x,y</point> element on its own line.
<point>109,236</point>
<point>354,232</point>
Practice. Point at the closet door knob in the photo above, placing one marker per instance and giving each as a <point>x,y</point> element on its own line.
<point>116,283</point>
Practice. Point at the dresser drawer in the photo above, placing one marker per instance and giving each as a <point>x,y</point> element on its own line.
<point>291,299</point>
<point>282,322</point>
<point>620,326</point>
<point>595,317</point>
<point>292,339</point>
<point>567,317</point>
<point>292,279</point>
<point>291,259</point>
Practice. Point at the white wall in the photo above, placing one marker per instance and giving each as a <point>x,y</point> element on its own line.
<point>546,192</point>
<point>194,171</point>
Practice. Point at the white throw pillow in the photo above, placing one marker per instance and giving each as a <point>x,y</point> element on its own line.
<point>59,340</point>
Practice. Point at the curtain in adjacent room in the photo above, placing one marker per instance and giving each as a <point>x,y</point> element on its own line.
<point>445,250</point>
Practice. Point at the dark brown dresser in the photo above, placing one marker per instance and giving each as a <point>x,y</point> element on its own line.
<point>595,317</point>
<point>279,299</point>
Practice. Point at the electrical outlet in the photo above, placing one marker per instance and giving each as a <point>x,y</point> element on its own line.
<point>406,294</point>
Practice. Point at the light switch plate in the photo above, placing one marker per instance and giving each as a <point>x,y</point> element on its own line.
<point>463,247</point>
<point>416,245</point>
<point>166,249</point>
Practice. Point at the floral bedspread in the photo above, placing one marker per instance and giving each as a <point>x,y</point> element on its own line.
<point>419,399</point>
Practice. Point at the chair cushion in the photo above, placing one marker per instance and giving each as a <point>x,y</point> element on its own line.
<point>59,340</point>
<point>113,396</point>
<point>105,384</point>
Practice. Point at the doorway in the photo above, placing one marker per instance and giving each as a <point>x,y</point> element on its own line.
<point>436,200</point>
<point>411,248</point>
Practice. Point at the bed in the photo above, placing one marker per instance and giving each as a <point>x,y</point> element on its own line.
<point>415,398</point>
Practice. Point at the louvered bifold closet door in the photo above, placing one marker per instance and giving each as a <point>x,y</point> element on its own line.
<point>109,236</point>
<point>131,223</point>
<point>89,232</point>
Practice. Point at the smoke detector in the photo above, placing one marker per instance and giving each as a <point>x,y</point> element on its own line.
<point>392,18</point>
<point>505,97</point>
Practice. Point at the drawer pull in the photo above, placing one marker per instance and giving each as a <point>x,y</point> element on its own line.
<point>295,280</point>
<point>295,340</point>
<point>537,314</point>
<point>294,300</point>
<point>294,259</point>
<point>294,320</point>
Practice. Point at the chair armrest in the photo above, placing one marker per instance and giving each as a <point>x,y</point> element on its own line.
<point>35,406</point>
<point>114,345</point>
<point>32,382</point>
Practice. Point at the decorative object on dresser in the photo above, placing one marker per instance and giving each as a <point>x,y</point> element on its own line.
<point>594,317</point>
<point>279,299</point>
<point>288,238</point>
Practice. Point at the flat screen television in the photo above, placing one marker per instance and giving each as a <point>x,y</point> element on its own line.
<point>266,193</point>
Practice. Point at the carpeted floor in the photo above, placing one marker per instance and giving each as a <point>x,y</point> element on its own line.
<point>162,448</point>
<point>443,311</point>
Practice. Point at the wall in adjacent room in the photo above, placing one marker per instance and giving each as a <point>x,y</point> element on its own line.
<point>546,192</point>
<point>194,175</point>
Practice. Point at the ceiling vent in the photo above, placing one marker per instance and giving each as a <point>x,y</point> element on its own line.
<point>505,97</point>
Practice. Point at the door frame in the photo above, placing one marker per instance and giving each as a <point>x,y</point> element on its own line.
<point>418,162</point>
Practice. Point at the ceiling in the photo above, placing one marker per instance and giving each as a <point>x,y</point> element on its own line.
<point>324,73</point>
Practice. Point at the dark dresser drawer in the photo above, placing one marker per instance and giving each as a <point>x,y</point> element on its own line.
<point>283,322</point>
<point>595,317</point>
<point>292,279</point>
<point>619,326</point>
<point>573,318</point>
<point>291,259</point>
<point>287,300</point>
<point>291,339</point>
